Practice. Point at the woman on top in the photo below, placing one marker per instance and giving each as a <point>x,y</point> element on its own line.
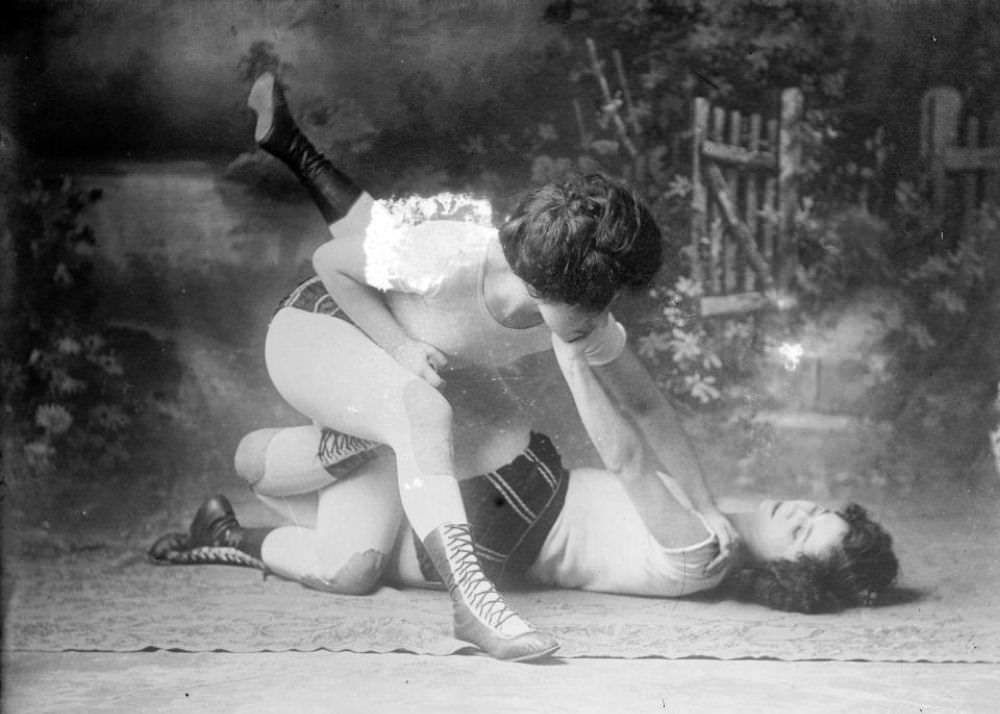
<point>403,303</point>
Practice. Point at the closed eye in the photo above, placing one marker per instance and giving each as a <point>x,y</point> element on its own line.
<point>808,533</point>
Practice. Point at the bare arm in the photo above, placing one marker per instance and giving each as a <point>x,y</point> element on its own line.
<point>340,264</point>
<point>623,452</point>
<point>630,384</point>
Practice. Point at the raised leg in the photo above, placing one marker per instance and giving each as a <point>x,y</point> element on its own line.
<point>276,132</point>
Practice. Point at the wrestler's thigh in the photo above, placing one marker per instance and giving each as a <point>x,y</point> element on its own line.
<point>298,510</point>
<point>332,372</point>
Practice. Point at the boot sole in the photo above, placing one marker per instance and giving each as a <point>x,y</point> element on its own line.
<point>533,655</point>
<point>261,100</point>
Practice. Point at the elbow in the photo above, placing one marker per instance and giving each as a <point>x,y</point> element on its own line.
<point>330,264</point>
<point>628,462</point>
<point>324,259</point>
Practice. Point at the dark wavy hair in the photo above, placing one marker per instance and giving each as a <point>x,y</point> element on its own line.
<point>856,573</point>
<point>582,241</point>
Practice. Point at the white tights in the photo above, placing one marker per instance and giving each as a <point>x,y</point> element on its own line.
<point>330,371</point>
<point>334,374</point>
<point>343,533</point>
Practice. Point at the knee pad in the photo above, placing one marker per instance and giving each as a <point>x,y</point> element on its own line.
<point>250,459</point>
<point>361,575</point>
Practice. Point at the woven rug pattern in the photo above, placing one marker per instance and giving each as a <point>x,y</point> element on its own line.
<point>118,602</point>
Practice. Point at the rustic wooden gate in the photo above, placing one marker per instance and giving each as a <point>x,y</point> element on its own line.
<point>745,194</point>
<point>964,173</point>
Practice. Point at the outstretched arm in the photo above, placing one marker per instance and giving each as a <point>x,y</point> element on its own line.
<point>631,385</point>
<point>623,452</point>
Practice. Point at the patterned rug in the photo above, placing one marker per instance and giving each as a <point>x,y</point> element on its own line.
<point>944,611</point>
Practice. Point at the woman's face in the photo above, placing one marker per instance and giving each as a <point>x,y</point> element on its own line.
<point>784,530</point>
<point>571,322</point>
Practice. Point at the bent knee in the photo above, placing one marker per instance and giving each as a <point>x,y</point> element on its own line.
<point>250,458</point>
<point>426,408</point>
<point>361,575</point>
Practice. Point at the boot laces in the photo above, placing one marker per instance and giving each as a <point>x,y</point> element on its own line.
<point>223,531</point>
<point>468,578</point>
<point>226,532</point>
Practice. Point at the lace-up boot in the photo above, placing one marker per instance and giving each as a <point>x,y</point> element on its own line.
<point>214,524</point>
<point>276,133</point>
<point>215,537</point>
<point>481,615</point>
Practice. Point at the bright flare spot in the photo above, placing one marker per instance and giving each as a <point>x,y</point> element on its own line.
<point>791,355</point>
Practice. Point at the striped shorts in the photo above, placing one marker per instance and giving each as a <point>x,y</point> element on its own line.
<point>312,296</point>
<point>511,511</point>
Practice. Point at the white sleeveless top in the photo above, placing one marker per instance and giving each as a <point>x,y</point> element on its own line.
<point>600,543</point>
<point>433,273</point>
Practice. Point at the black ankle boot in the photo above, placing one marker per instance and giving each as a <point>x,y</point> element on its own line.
<point>214,538</point>
<point>214,524</point>
<point>276,133</point>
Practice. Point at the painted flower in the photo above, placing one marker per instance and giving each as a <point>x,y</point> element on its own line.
<point>66,384</point>
<point>109,417</point>
<point>547,132</point>
<point>93,343</point>
<point>68,346</point>
<point>109,363</point>
<point>54,418</point>
<point>39,453</point>
<point>62,276</point>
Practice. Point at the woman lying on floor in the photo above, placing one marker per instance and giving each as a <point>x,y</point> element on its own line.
<point>624,529</point>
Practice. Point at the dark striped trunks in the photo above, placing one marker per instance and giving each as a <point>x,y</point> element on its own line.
<point>312,296</point>
<point>511,511</point>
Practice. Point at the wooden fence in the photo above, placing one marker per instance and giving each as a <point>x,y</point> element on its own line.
<point>963,161</point>
<point>745,194</point>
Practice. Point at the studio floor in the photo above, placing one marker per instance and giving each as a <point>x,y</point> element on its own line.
<point>102,630</point>
<point>349,683</point>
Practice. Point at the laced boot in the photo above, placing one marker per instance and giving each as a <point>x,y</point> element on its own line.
<point>481,615</point>
<point>215,537</point>
<point>214,524</point>
<point>276,133</point>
